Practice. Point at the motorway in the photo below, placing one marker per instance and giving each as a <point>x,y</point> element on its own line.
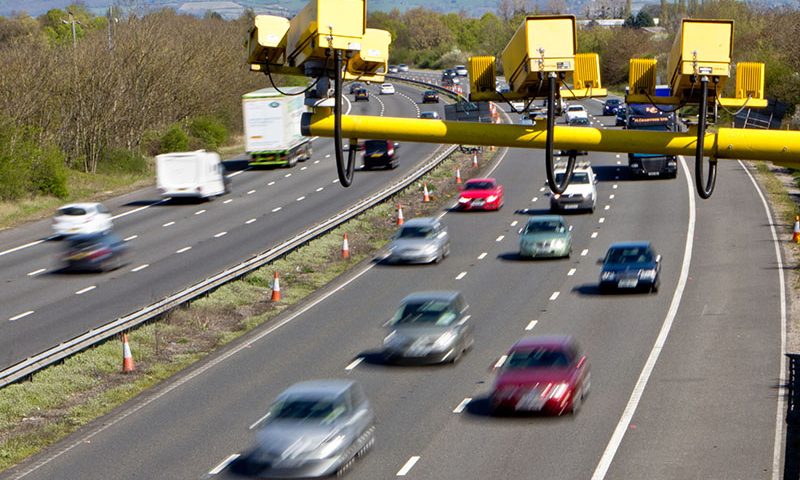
<point>684,381</point>
<point>175,246</point>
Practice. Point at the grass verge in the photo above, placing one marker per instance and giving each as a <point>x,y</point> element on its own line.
<point>59,400</point>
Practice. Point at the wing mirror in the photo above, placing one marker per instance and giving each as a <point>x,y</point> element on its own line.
<point>658,258</point>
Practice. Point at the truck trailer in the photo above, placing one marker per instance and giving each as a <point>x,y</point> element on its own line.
<point>272,127</point>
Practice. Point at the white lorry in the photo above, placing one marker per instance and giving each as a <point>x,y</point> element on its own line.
<point>272,127</point>
<point>198,174</point>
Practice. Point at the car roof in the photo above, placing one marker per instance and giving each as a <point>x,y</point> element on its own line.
<point>420,221</point>
<point>546,218</point>
<point>445,295</point>
<point>631,244</point>
<point>484,179</point>
<point>318,388</point>
<point>543,341</point>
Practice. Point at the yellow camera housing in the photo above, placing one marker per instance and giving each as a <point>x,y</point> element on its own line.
<point>266,40</point>
<point>372,61</point>
<point>702,47</point>
<point>323,24</point>
<point>585,78</point>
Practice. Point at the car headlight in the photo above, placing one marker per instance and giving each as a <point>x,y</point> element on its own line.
<point>330,447</point>
<point>444,341</point>
<point>491,198</point>
<point>607,275</point>
<point>463,200</point>
<point>559,243</point>
<point>558,391</point>
<point>649,274</point>
<point>429,249</point>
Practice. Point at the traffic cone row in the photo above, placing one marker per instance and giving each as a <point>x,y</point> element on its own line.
<point>127,358</point>
<point>426,197</point>
<point>345,248</point>
<point>400,219</point>
<point>796,230</point>
<point>276,288</point>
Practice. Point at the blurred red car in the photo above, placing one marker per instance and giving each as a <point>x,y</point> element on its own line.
<point>481,194</point>
<point>546,374</point>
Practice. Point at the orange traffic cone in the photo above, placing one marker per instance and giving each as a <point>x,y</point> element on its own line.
<point>426,197</point>
<point>474,160</point>
<point>276,288</point>
<point>127,358</point>
<point>400,219</point>
<point>458,175</point>
<point>796,230</point>
<point>345,248</point>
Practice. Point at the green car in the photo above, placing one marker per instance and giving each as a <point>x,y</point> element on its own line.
<point>545,236</point>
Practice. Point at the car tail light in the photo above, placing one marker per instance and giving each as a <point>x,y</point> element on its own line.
<point>100,252</point>
<point>390,151</point>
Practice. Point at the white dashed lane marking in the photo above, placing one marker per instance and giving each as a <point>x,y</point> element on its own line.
<point>534,199</point>
<point>252,220</point>
<point>584,252</point>
<point>408,466</point>
<point>500,238</point>
<point>251,192</point>
<point>594,235</point>
<point>482,256</point>
<point>500,361</point>
<point>184,249</point>
<point>611,197</point>
<point>530,325</point>
<point>304,168</point>
<point>132,237</point>
<point>21,315</point>
<point>199,212</point>
<point>461,406</point>
<point>287,175</point>
<point>228,201</point>
<point>276,209</point>
<point>461,275</point>
<point>220,234</point>
<point>320,189</point>
<point>37,272</point>
<point>514,223</point>
<point>84,290</point>
<point>271,183</point>
<point>602,220</point>
<point>607,207</point>
<point>300,199</point>
<point>614,186</point>
<point>571,272</point>
<point>224,464</point>
<point>554,295</point>
<point>354,363</point>
<point>168,224</point>
<point>140,268</point>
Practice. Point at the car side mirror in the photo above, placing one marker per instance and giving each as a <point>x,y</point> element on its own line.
<point>599,261</point>
<point>520,231</point>
<point>658,258</point>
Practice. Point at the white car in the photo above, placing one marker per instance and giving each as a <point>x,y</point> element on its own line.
<point>387,89</point>
<point>402,67</point>
<point>581,193</point>
<point>430,115</point>
<point>461,70</point>
<point>82,218</point>
<point>574,112</point>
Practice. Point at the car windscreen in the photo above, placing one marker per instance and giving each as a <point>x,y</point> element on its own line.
<point>72,211</point>
<point>317,410</point>
<point>424,312</point>
<point>411,231</point>
<point>537,358</point>
<point>577,178</point>
<point>629,255</point>
<point>478,186</point>
<point>427,115</point>
<point>575,108</point>
<point>545,227</point>
<point>612,102</point>
<point>374,146</point>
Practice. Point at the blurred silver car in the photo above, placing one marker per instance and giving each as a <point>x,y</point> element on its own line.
<point>420,240</point>
<point>429,327</point>
<point>313,429</point>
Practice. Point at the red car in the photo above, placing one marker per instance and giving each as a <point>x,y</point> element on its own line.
<point>546,374</point>
<point>481,194</point>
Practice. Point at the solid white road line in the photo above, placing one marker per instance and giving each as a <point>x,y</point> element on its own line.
<point>15,249</point>
<point>252,220</point>
<point>408,466</point>
<point>227,201</point>
<point>184,249</point>
<point>571,272</point>
<point>554,295</point>
<point>530,325</point>
<point>461,406</point>
<point>37,272</point>
<point>647,370</point>
<point>500,238</point>
<point>222,466</point>
<point>84,290</point>
<point>584,252</point>
<point>461,275</point>
<point>132,237</point>
<point>482,256</point>
<point>354,363</point>
<point>21,315</point>
<point>777,471</point>
<point>140,268</point>
<point>220,234</point>
<point>168,224</point>
<point>199,212</point>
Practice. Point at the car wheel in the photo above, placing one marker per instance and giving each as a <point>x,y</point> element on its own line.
<point>393,164</point>
<point>292,161</point>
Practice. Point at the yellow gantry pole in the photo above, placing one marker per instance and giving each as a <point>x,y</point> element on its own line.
<point>780,146</point>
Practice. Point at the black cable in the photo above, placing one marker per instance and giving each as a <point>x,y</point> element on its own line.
<point>345,172</point>
<point>548,145</point>
<point>269,74</point>
<point>706,190</point>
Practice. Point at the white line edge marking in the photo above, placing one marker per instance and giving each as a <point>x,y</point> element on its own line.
<point>482,256</point>
<point>354,363</point>
<point>555,295</point>
<point>140,267</point>
<point>219,468</point>
<point>21,315</point>
<point>252,220</point>
<point>461,406</point>
<point>21,247</point>
<point>777,471</point>
<point>84,290</point>
<point>408,466</point>
<point>530,325</point>
<point>37,272</point>
<point>184,249</point>
<point>500,361</point>
<point>571,272</point>
<point>619,432</point>
<point>220,234</point>
<point>461,275</point>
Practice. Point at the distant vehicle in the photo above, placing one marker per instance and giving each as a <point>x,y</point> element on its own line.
<point>272,127</point>
<point>481,194</point>
<point>579,122</point>
<point>430,115</point>
<point>546,374</point>
<point>429,327</point>
<point>449,72</point>
<point>611,105</point>
<point>622,116</point>
<point>581,193</point>
<point>575,111</point>
<point>402,67</point>
<point>630,266</point>
<point>94,252</point>
<point>650,117</point>
<point>545,236</point>
<point>362,94</point>
<point>461,70</point>
<point>517,105</point>
<point>525,119</point>
<point>393,69</point>
<point>420,240</point>
<point>387,89</point>
<point>430,96</point>
<point>449,81</point>
<point>313,429</point>
<point>198,174</point>
<point>355,86</point>
<point>380,153</point>
<point>82,218</point>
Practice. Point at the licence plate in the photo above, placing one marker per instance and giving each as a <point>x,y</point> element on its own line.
<point>376,155</point>
<point>531,401</point>
<point>628,283</point>
<point>478,202</point>
<point>570,207</point>
<point>652,174</point>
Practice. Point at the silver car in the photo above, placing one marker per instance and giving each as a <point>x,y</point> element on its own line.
<point>314,429</point>
<point>429,327</point>
<point>420,240</point>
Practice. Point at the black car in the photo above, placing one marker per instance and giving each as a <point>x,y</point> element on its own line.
<point>361,94</point>
<point>630,266</point>
<point>355,86</point>
<point>430,96</point>
<point>449,73</point>
<point>380,153</point>
<point>622,116</point>
<point>611,106</point>
<point>95,252</point>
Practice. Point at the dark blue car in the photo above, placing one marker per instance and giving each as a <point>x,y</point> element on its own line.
<point>97,252</point>
<point>611,106</point>
<point>633,266</point>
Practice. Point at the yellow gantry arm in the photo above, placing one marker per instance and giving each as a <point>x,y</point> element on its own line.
<point>728,143</point>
